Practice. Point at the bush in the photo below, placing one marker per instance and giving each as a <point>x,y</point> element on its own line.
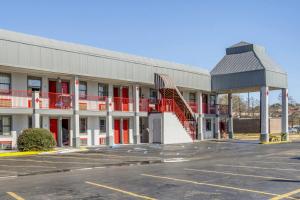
<point>36,139</point>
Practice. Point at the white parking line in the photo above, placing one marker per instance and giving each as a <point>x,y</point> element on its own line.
<point>255,167</point>
<point>46,161</point>
<point>234,174</point>
<point>29,166</point>
<point>210,184</point>
<point>273,162</point>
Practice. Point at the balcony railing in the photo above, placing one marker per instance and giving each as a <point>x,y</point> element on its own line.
<point>144,105</point>
<point>122,104</point>
<point>194,106</point>
<point>15,99</point>
<point>204,108</point>
<point>56,100</point>
<point>93,103</point>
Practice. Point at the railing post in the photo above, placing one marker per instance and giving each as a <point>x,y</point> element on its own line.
<point>35,106</point>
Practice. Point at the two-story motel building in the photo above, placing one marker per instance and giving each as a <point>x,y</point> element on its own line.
<point>88,96</point>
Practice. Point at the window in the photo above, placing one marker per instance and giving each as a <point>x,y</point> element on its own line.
<point>102,90</point>
<point>82,90</point>
<point>208,124</point>
<point>5,125</point>
<point>192,97</point>
<point>153,95</point>
<point>102,125</point>
<point>34,84</point>
<point>83,125</point>
<point>4,83</point>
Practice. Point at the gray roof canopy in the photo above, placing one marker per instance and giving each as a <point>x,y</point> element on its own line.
<point>247,67</point>
<point>36,53</point>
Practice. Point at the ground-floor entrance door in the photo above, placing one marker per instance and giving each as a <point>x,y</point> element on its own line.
<point>125,131</point>
<point>54,128</point>
<point>117,131</point>
<point>65,132</point>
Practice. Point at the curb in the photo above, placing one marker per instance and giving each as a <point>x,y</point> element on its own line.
<point>8,154</point>
<point>27,153</point>
<point>282,142</point>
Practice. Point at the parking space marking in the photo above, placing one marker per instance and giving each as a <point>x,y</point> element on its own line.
<point>14,195</point>
<point>70,157</point>
<point>211,185</point>
<point>119,156</point>
<point>29,166</point>
<point>255,167</point>
<point>46,161</point>
<point>121,191</point>
<point>234,174</point>
<point>286,195</point>
<point>273,162</point>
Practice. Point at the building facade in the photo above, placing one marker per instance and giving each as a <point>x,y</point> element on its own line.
<point>88,96</point>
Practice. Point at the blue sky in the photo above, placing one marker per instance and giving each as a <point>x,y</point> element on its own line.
<point>190,32</point>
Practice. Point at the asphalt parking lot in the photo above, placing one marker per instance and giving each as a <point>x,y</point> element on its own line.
<point>206,170</point>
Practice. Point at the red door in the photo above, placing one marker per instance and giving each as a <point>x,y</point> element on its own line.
<point>125,131</point>
<point>52,94</point>
<point>117,130</point>
<point>125,100</point>
<point>117,100</point>
<point>53,128</point>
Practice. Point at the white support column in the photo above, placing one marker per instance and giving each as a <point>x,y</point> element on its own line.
<point>59,132</point>
<point>89,137</point>
<point>14,138</point>
<point>136,120</point>
<point>35,105</point>
<point>264,114</point>
<point>96,137</point>
<point>230,118</point>
<point>285,113</point>
<point>76,137</point>
<point>217,119</point>
<point>109,119</point>
<point>200,116</point>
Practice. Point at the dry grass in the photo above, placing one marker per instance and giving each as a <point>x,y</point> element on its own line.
<point>255,136</point>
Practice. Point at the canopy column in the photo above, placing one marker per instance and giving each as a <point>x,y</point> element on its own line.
<point>264,114</point>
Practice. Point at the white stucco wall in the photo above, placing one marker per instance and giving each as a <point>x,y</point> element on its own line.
<point>19,123</point>
<point>173,130</point>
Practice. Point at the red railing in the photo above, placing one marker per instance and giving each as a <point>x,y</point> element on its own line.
<point>93,103</point>
<point>122,104</point>
<point>144,105</point>
<point>56,100</point>
<point>204,108</point>
<point>170,105</point>
<point>14,99</point>
<point>194,106</point>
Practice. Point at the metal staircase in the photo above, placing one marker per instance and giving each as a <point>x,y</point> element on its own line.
<point>172,101</point>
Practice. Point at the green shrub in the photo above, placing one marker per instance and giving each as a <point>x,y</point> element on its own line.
<point>36,139</point>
